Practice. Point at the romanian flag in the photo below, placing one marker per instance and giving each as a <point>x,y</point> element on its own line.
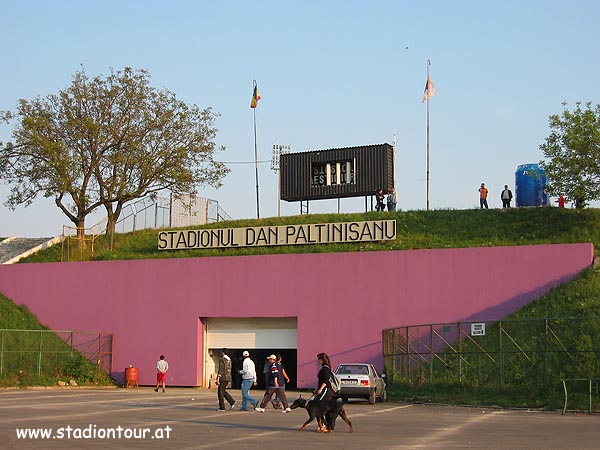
<point>429,88</point>
<point>255,97</point>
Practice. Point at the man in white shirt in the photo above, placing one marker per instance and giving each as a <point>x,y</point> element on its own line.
<point>162,367</point>
<point>248,374</point>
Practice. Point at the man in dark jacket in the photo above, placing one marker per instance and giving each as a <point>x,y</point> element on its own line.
<point>223,380</point>
<point>276,385</point>
<point>506,197</point>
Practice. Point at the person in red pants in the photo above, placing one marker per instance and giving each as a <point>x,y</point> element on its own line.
<point>162,367</point>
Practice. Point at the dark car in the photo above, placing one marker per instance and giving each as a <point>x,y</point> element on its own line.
<point>360,380</point>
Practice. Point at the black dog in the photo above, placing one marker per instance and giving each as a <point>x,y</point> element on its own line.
<point>319,409</point>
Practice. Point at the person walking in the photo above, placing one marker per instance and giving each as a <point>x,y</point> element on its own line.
<point>266,375</point>
<point>248,374</point>
<point>506,197</point>
<point>392,200</point>
<point>276,403</point>
<point>276,385</point>
<point>324,391</point>
<point>223,380</point>
<point>162,367</point>
<point>483,193</point>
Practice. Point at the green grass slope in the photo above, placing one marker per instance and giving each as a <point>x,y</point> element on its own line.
<point>415,230</point>
<point>22,363</point>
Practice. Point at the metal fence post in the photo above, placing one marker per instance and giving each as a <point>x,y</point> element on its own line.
<point>566,396</point>
<point>156,214</point>
<point>40,355</point>
<point>501,353</point>
<point>1,353</point>
<point>431,356</point>
<point>590,396</point>
<point>394,352</point>
<point>99,349</point>
<point>408,371</point>
<point>460,357</point>
<point>546,372</point>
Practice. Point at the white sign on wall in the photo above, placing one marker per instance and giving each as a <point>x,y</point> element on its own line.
<point>478,329</point>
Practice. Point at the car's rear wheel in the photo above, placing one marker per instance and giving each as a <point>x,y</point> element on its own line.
<point>372,397</point>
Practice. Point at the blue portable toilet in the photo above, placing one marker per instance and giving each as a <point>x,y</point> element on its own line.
<point>530,183</point>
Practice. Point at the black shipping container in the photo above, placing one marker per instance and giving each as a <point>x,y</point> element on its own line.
<point>336,173</point>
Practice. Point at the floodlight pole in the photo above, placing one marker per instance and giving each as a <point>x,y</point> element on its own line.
<point>278,150</point>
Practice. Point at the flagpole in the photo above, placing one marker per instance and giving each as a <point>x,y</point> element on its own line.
<point>428,75</point>
<point>256,162</point>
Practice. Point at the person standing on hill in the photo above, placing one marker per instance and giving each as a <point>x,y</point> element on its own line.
<point>506,197</point>
<point>392,200</point>
<point>483,193</point>
<point>379,199</point>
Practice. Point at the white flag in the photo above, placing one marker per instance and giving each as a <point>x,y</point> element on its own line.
<point>429,88</point>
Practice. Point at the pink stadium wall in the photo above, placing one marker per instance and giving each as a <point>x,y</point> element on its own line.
<point>342,300</point>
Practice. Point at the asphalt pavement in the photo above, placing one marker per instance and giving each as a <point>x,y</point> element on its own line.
<point>188,419</point>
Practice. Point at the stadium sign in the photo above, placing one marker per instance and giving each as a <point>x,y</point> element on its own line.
<point>322,233</point>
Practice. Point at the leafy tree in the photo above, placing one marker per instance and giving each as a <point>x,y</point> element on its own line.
<point>105,141</point>
<point>572,152</point>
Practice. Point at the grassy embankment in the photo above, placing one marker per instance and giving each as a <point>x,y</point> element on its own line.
<point>415,230</point>
<point>23,364</point>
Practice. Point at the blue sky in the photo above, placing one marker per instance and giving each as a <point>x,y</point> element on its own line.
<point>331,74</point>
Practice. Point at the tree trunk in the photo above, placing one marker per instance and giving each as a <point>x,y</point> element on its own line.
<point>111,222</point>
<point>112,216</point>
<point>80,224</point>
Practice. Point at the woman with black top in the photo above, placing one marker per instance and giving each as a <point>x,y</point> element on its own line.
<point>324,391</point>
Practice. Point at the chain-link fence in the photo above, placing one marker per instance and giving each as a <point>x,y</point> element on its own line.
<point>150,212</point>
<point>27,354</point>
<point>534,354</point>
